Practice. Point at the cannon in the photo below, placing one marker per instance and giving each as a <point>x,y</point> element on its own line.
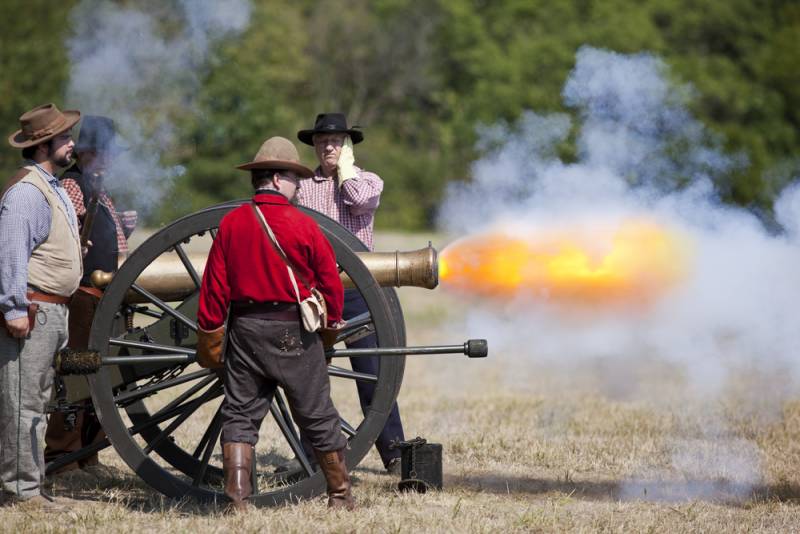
<point>161,411</point>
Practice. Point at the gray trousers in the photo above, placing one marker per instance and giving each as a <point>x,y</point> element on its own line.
<point>26,382</point>
<point>262,354</point>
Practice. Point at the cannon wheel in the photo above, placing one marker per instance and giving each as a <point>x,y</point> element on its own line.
<point>190,470</point>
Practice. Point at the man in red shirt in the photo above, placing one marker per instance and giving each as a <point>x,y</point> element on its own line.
<point>267,345</point>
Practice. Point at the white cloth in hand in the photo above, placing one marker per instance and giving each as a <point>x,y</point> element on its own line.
<point>345,166</point>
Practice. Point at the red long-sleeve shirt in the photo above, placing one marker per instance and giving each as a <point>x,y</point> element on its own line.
<point>242,264</point>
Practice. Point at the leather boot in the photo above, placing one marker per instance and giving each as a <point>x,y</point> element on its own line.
<point>237,466</point>
<point>60,440</point>
<point>335,471</point>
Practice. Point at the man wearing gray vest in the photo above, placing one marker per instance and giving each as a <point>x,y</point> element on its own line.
<point>40,268</point>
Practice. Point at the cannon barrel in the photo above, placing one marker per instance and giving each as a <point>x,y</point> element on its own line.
<point>168,279</point>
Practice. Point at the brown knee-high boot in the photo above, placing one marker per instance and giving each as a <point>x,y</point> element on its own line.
<point>237,466</point>
<point>335,471</point>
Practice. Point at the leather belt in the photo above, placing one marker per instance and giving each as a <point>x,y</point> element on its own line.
<point>269,311</point>
<point>47,297</point>
<point>92,291</point>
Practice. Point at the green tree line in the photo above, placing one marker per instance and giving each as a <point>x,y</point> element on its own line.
<point>420,77</point>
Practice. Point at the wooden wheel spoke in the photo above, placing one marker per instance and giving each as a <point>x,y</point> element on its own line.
<point>149,390</point>
<point>77,456</point>
<point>290,436</point>
<point>282,406</point>
<point>188,409</point>
<point>163,306</point>
<point>347,373</point>
<point>207,444</point>
<point>207,435</point>
<point>187,394</point>
<point>85,452</point>
<point>188,265</point>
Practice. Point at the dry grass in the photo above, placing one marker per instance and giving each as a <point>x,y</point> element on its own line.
<point>527,448</point>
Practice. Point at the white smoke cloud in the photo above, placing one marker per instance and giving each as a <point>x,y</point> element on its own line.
<point>125,66</point>
<point>743,283</point>
<point>708,468</point>
<point>641,153</point>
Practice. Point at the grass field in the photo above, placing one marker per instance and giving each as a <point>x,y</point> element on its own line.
<point>528,447</point>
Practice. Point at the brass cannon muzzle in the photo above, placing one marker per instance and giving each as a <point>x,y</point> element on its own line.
<point>168,279</point>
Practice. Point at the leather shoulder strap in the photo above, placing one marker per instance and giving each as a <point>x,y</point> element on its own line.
<point>21,173</point>
<point>274,242</point>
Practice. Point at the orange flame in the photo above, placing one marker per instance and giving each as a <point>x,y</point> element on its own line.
<point>633,261</point>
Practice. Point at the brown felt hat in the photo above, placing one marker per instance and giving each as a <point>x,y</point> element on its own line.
<point>41,124</point>
<point>280,154</point>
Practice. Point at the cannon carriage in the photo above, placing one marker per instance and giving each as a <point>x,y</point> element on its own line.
<point>160,410</point>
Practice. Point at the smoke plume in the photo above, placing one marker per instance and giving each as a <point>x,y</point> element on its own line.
<point>640,154</point>
<point>142,70</point>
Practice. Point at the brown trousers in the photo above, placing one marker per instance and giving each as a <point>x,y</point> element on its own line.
<point>263,354</point>
<point>64,436</point>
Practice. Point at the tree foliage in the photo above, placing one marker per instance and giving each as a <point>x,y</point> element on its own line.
<point>421,77</point>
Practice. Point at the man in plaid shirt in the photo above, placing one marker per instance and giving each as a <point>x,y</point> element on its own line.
<point>350,196</point>
<point>108,236</point>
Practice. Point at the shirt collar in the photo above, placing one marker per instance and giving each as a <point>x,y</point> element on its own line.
<point>318,175</point>
<point>49,177</point>
<point>265,196</point>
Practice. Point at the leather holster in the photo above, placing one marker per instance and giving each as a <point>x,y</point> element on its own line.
<point>209,347</point>
<point>329,335</point>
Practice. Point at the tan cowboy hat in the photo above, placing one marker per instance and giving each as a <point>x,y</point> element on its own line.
<point>280,154</point>
<point>41,124</point>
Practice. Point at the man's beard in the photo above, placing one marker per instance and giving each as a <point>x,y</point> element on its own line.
<point>66,161</point>
<point>63,162</point>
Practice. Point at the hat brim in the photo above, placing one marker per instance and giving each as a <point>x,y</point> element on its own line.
<point>20,140</point>
<point>113,147</point>
<point>278,165</point>
<point>307,136</point>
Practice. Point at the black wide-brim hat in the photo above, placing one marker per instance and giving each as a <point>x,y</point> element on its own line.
<point>330,123</point>
<point>99,134</point>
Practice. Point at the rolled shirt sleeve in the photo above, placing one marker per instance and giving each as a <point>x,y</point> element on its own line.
<point>75,195</point>
<point>362,194</point>
<point>24,225</point>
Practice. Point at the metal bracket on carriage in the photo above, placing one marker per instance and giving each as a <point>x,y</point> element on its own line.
<point>84,362</point>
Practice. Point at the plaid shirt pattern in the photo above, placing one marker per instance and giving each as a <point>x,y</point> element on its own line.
<point>76,196</point>
<point>352,205</point>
